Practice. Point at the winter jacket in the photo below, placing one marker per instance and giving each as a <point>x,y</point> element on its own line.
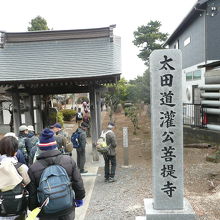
<point>20,157</point>
<point>61,142</point>
<point>25,145</point>
<point>36,170</point>
<point>86,118</point>
<point>33,139</point>
<point>82,138</point>
<point>111,142</point>
<point>22,170</point>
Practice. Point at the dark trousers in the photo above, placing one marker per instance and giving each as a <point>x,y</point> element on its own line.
<point>81,158</point>
<point>110,166</point>
<point>70,216</point>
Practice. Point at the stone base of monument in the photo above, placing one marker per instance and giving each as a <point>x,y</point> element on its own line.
<point>187,213</point>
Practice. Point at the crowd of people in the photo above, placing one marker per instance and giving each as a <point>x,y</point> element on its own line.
<point>43,168</point>
<point>31,156</point>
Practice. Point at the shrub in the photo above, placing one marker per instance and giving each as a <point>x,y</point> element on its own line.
<point>56,117</point>
<point>68,114</point>
<point>80,100</point>
<point>60,118</point>
<point>132,113</point>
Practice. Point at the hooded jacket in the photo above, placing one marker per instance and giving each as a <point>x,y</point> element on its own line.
<point>36,170</point>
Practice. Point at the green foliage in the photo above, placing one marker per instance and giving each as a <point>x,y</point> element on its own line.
<point>116,94</point>
<point>80,100</point>
<point>60,118</point>
<point>132,114</point>
<point>38,24</point>
<point>55,117</point>
<point>68,114</point>
<point>149,38</point>
<point>139,88</point>
<point>121,89</point>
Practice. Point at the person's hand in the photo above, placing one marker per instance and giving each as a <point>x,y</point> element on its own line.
<point>78,203</point>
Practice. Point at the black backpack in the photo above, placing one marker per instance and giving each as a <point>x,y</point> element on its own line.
<point>14,202</point>
<point>79,115</point>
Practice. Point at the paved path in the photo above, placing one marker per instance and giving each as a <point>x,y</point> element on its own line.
<point>88,178</point>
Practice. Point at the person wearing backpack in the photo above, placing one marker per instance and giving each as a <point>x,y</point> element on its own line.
<point>110,156</point>
<point>79,117</point>
<point>24,143</point>
<point>59,137</point>
<point>54,176</point>
<point>14,178</point>
<point>78,139</point>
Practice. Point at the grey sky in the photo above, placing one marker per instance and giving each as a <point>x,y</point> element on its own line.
<point>71,14</point>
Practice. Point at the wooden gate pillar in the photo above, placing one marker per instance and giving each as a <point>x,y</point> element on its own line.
<point>94,127</point>
<point>1,113</point>
<point>16,111</point>
<point>29,111</point>
<point>98,109</point>
<point>39,119</point>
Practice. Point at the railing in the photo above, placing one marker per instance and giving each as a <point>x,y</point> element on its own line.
<point>194,115</point>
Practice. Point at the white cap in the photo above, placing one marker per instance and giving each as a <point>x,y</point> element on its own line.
<point>23,128</point>
<point>30,128</point>
<point>11,134</point>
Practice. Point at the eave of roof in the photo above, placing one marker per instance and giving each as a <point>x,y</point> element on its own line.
<point>99,80</point>
<point>15,37</point>
<point>186,21</point>
<point>60,86</point>
<point>212,65</point>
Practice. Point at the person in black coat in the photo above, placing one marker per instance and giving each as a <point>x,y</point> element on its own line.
<point>49,155</point>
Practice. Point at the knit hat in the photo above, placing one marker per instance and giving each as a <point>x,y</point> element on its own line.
<point>47,140</point>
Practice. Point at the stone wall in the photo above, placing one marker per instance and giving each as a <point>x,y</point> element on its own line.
<point>196,135</point>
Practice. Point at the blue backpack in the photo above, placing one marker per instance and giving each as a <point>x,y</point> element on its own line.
<point>55,184</point>
<point>75,139</point>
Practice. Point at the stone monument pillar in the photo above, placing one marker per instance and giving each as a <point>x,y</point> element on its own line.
<point>167,139</point>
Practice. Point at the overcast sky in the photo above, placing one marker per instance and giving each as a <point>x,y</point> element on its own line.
<point>15,16</point>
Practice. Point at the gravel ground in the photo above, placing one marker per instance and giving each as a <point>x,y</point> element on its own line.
<point>123,199</point>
